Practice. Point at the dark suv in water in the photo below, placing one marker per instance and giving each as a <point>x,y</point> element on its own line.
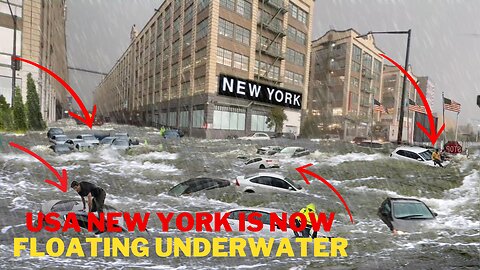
<point>404,214</point>
<point>54,131</point>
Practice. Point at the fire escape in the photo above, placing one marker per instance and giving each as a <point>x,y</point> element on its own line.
<point>271,47</point>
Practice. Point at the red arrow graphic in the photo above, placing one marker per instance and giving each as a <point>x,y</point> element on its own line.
<point>433,135</point>
<point>63,179</point>
<point>303,170</point>
<point>88,119</point>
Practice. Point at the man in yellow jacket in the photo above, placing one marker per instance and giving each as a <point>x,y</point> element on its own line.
<point>306,211</point>
<point>437,159</point>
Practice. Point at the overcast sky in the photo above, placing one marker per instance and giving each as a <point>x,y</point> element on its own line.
<point>445,44</point>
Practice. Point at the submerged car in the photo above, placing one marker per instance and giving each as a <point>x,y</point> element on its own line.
<point>197,184</point>
<point>269,150</point>
<point>405,214</point>
<point>415,154</point>
<point>256,137</point>
<point>58,139</point>
<point>89,139</point>
<point>171,134</point>
<point>63,207</point>
<point>266,182</point>
<point>54,131</point>
<point>60,148</point>
<point>262,163</point>
<point>78,144</point>
<point>290,152</point>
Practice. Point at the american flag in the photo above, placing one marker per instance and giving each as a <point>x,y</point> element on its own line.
<point>451,105</point>
<point>378,107</point>
<point>412,106</point>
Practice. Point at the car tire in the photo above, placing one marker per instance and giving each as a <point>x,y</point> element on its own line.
<point>261,166</point>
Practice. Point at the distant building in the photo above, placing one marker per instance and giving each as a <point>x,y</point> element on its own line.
<point>346,75</point>
<point>40,38</point>
<point>214,68</point>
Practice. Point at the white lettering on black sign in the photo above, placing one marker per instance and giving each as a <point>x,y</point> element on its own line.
<point>246,89</point>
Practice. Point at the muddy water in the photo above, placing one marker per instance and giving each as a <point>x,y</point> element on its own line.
<point>138,180</point>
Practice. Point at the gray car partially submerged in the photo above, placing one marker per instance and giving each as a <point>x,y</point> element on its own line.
<point>405,214</point>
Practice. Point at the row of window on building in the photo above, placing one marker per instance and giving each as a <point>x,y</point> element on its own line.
<point>224,117</point>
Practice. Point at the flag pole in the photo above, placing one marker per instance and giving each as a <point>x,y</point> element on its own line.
<point>456,126</point>
<point>371,121</point>
<point>443,107</point>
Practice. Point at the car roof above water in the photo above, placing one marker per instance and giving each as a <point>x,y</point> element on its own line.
<point>415,149</point>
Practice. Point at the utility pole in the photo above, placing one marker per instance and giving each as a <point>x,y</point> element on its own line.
<point>402,102</point>
<point>15,65</point>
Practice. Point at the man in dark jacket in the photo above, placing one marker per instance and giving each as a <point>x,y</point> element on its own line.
<point>95,195</point>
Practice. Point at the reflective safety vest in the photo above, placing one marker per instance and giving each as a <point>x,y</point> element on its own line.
<point>307,210</point>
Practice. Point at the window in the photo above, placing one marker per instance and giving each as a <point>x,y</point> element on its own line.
<point>198,117</point>
<point>187,62</point>
<point>355,67</point>
<point>259,123</point>
<point>188,14</point>
<point>242,35</point>
<point>262,180</point>
<point>367,62</point>
<point>183,119</point>
<point>202,29</point>
<point>185,88</point>
<point>293,78</point>
<point>242,7</point>
<point>225,28</point>
<point>187,39</point>
<point>224,57</point>
<point>355,82</point>
<point>201,55</point>
<point>240,61</point>
<point>295,57</point>
<point>229,118</point>
<point>298,13</point>
<point>357,54</point>
<point>296,35</point>
<point>261,69</point>
<point>199,84</point>
<point>229,4</point>
<point>176,25</point>
<point>203,4</point>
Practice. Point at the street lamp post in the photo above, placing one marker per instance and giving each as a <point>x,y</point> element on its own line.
<point>14,55</point>
<point>402,102</point>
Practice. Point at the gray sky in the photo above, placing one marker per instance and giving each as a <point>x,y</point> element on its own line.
<point>444,46</point>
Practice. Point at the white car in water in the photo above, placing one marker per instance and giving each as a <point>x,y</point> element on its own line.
<point>259,136</point>
<point>266,182</point>
<point>262,163</point>
<point>291,152</point>
<point>415,154</point>
<point>89,139</point>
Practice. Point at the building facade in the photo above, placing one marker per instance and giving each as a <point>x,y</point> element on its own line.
<point>391,100</point>
<point>346,76</point>
<point>40,38</point>
<point>213,68</point>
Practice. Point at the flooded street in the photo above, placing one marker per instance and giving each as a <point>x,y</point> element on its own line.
<point>138,181</point>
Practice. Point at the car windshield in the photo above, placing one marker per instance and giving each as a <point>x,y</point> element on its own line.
<point>61,137</point>
<point>427,155</point>
<point>411,210</point>
<point>288,150</point>
<point>107,141</point>
<point>178,189</point>
<point>120,142</point>
<point>290,181</point>
<point>123,136</point>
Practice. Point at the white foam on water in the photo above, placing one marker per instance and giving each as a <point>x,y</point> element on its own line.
<point>17,157</point>
<point>156,156</point>
<point>339,159</point>
<point>75,156</point>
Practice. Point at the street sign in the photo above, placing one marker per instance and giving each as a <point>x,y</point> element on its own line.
<point>453,147</point>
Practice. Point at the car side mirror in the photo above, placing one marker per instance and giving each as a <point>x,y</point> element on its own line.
<point>290,188</point>
<point>419,159</point>
<point>435,214</point>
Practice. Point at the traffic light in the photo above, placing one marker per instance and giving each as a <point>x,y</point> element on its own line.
<point>16,64</point>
